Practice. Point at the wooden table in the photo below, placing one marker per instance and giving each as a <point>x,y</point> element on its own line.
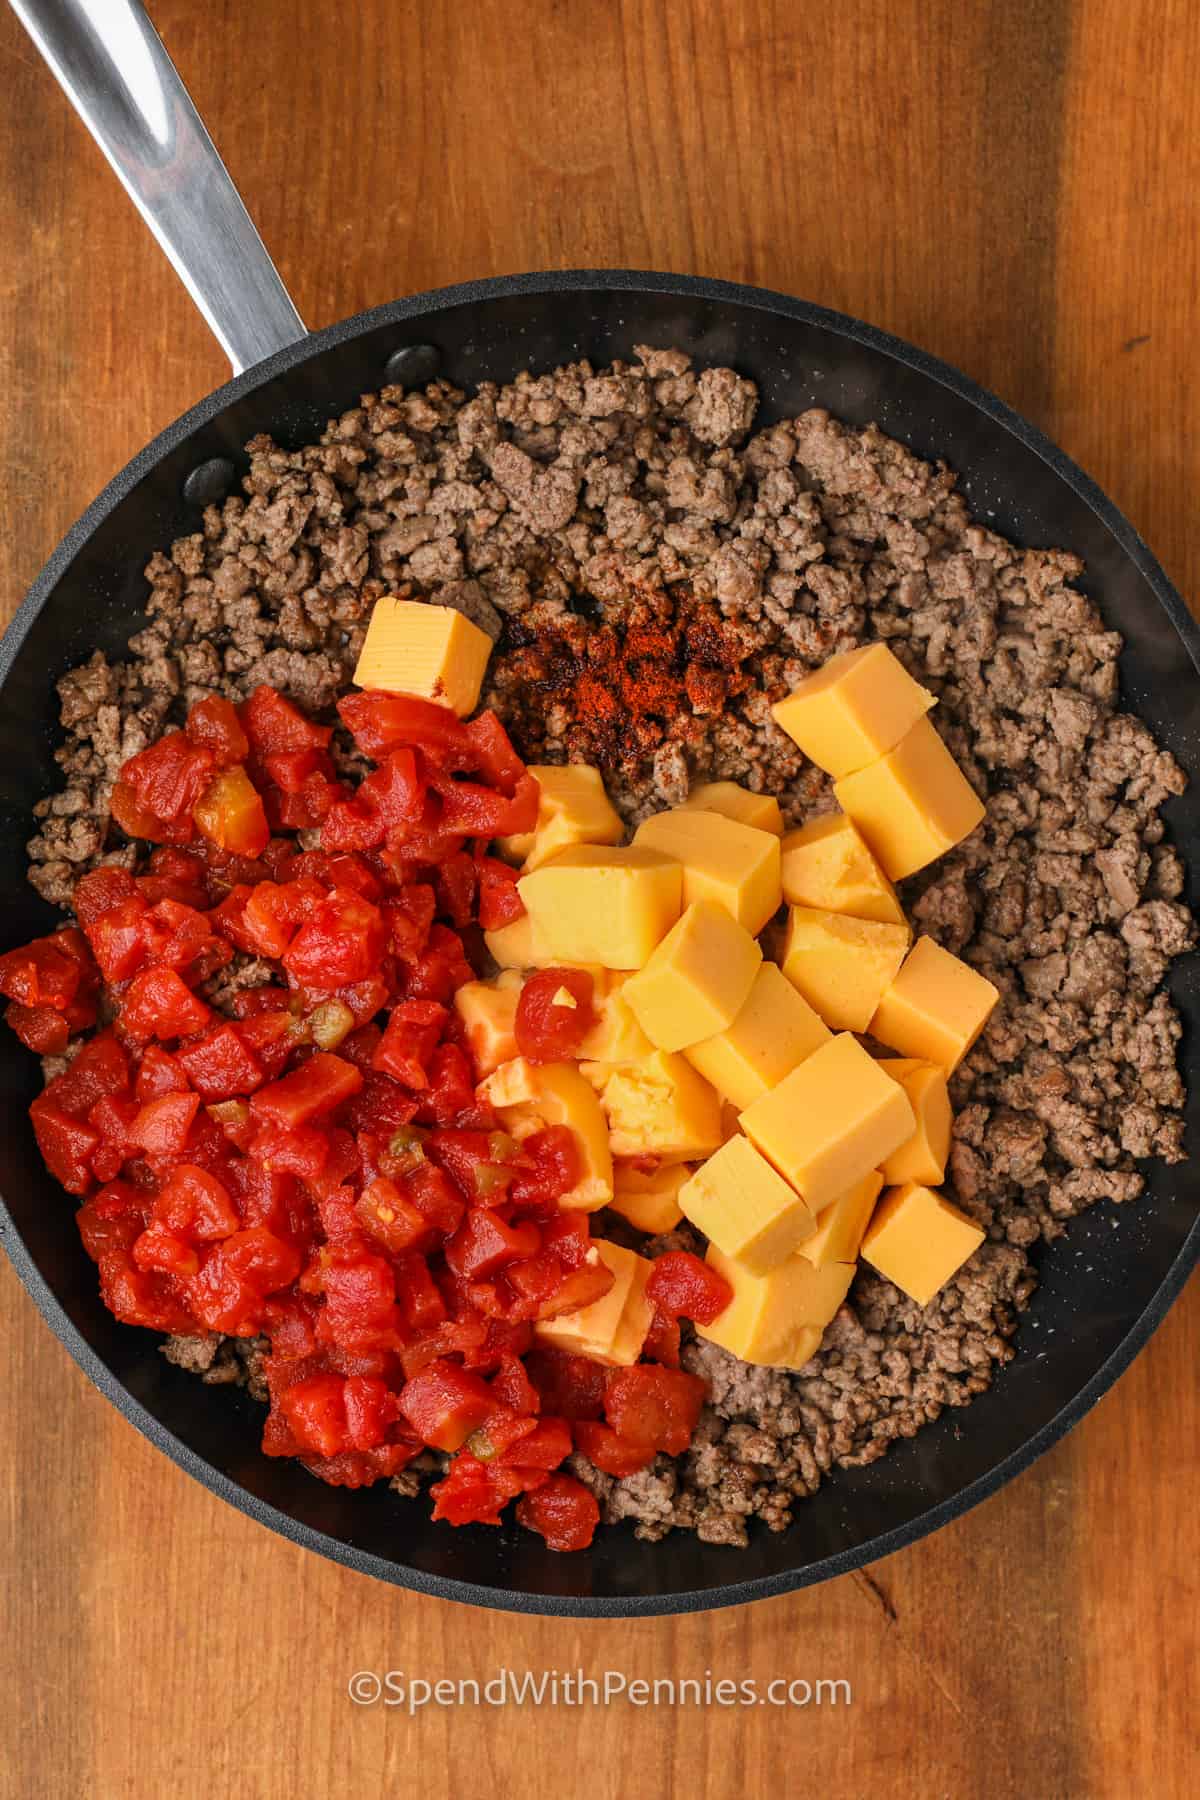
<point>1011,185</point>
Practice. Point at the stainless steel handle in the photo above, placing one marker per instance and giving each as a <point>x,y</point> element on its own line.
<point>111,64</point>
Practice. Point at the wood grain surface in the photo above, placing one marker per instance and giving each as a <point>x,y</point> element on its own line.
<point>1011,183</point>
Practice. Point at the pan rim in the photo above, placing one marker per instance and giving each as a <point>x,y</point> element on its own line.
<point>424,305</point>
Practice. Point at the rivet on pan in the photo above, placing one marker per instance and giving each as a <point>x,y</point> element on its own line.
<point>209,481</point>
<point>413,365</point>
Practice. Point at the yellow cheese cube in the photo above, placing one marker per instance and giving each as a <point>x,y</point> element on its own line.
<point>573,808</point>
<point>595,904</point>
<point>854,709</point>
<point>912,805</point>
<point>840,1229</point>
<point>738,803</point>
<point>414,647</point>
<point>616,1036</point>
<point>607,1330</point>
<point>842,966</point>
<point>636,1318</point>
<point>731,864</point>
<point>517,946</point>
<point>935,1008</point>
<point>488,1010</point>
<point>657,1107</point>
<point>831,1121</point>
<point>745,1208</point>
<point>926,1153</point>
<point>917,1240</point>
<point>827,864</point>
<point>697,980</point>
<point>530,1096</point>
<point>649,1201</point>
<point>776,1319</point>
<point>775,1030</point>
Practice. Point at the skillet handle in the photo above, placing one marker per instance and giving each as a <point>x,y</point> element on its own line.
<point>110,62</point>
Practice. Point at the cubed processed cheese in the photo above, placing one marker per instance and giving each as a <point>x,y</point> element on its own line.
<point>601,904</point>
<point>738,803</point>
<point>657,1107</point>
<point>573,808</point>
<point>745,1207</point>
<point>414,647</point>
<point>831,1121</point>
<point>912,805</point>
<point>649,1200</point>
<point>935,1008</point>
<point>734,865</point>
<point>840,1228</point>
<point>926,1153</point>
<point>776,1319</point>
<point>917,1240</point>
<point>854,709</point>
<point>530,1096</point>
<point>697,980</point>
<point>826,863</point>
<point>612,1329</point>
<point>517,946</point>
<point>615,1036</point>
<point>488,1010</point>
<point>775,1030</point>
<point>842,966</point>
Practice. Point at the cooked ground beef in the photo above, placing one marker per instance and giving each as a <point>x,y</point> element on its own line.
<point>598,523</point>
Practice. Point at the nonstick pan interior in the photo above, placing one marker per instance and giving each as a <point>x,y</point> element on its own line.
<point>1103,1287</point>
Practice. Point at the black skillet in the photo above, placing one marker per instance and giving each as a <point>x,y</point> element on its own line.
<point>1104,1288</point>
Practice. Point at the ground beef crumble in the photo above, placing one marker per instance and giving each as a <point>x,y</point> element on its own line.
<point>605,525</point>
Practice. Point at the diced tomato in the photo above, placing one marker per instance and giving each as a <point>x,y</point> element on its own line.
<point>160,1249</point>
<point>371,1410</point>
<point>451,1087</point>
<point>410,915</point>
<point>291,769</point>
<point>272,1035</point>
<point>500,1432</point>
<point>112,1219</point>
<point>142,1296</point>
<point>418,1294</point>
<point>499,902</point>
<point>319,1085</point>
<point>162,1127</point>
<point>177,875</point>
<point>360,1468</point>
<point>605,1450</point>
<point>512,1386</point>
<point>46,972</point>
<point>302,1150</point>
<point>455,884</point>
<point>274,726</point>
<point>41,1029</point>
<point>474,1492</point>
<point>549,1166</point>
<point>654,1406</point>
<point>167,779</point>
<point>66,1143</point>
<point>554,1014</point>
<point>214,723</point>
<point>341,942</point>
<point>380,723</point>
<point>101,891</point>
<point>562,1511</point>
<point>684,1287</point>
<point>220,1064</point>
<point>157,1004</point>
<point>413,1030</point>
<point>195,1205</point>
<point>445,1404</point>
<point>492,754</point>
<point>159,1073</point>
<point>316,1413</point>
<point>100,1068</point>
<point>111,1119</point>
<point>571,1387</point>
<point>392,1219</point>
<point>542,1448</point>
<point>181,938</point>
<point>120,938</point>
<point>662,1339</point>
<point>229,813</point>
<point>485,1242</point>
